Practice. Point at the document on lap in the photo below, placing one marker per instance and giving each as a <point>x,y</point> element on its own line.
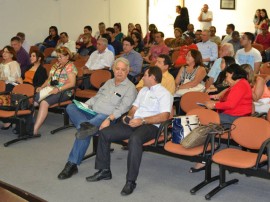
<point>84,107</point>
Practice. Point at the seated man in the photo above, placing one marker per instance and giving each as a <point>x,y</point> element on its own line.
<point>86,48</point>
<point>22,56</point>
<point>86,30</point>
<point>157,49</point>
<point>117,45</point>
<point>264,39</point>
<point>235,41</point>
<point>102,58</point>
<point>163,62</point>
<point>64,41</point>
<point>134,58</point>
<point>151,107</point>
<point>113,99</point>
<point>208,49</point>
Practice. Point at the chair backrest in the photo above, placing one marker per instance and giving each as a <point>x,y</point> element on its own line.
<point>79,63</point>
<point>190,99</point>
<point>167,41</point>
<point>250,132</point>
<point>259,47</point>
<point>175,55</point>
<point>206,116</point>
<point>25,89</point>
<point>53,61</point>
<point>48,68</point>
<point>2,86</point>
<point>48,52</point>
<point>98,77</point>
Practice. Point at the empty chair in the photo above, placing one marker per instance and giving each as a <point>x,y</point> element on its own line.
<point>252,134</point>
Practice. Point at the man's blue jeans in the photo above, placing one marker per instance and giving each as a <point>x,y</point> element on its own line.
<point>77,117</point>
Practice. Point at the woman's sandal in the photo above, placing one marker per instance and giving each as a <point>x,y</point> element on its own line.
<point>195,170</point>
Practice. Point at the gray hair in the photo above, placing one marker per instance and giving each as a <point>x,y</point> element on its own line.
<point>230,48</point>
<point>121,59</point>
<point>104,41</point>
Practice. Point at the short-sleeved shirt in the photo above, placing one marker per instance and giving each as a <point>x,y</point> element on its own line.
<point>153,101</point>
<point>251,57</point>
<point>156,50</point>
<point>135,61</point>
<point>114,99</point>
<point>215,69</point>
<point>263,40</point>
<point>206,25</point>
<point>208,49</point>
<point>61,74</point>
<point>167,82</point>
<point>99,60</point>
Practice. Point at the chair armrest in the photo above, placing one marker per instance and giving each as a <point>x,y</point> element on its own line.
<point>163,128</point>
<point>265,145</point>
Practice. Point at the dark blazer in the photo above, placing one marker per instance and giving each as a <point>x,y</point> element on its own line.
<point>40,76</point>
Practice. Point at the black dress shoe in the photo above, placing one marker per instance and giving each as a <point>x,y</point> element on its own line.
<point>128,188</point>
<point>103,174</point>
<point>86,129</point>
<point>69,170</point>
<point>6,128</point>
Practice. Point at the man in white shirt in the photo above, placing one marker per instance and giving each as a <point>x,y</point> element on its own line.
<point>64,41</point>
<point>151,107</point>
<point>102,58</point>
<point>208,49</point>
<point>205,17</point>
<point>248,54</point>
<point>229,30</point>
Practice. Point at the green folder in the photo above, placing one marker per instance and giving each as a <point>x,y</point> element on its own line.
<point>84,107</point>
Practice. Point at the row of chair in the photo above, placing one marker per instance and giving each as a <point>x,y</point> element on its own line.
<point>250,154</point>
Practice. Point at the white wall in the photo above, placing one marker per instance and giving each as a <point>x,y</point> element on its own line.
<point>241,17</point>
<point>34,17</point>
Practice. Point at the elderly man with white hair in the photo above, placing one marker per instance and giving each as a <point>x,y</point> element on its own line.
<point>112,100</point>
<point>225,50</point>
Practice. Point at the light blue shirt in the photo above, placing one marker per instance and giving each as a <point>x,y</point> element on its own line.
<point>250,57</point>
<point>135,62</point>
<point>208,49</point>
<point>153,101</point>
<point>215,69</point>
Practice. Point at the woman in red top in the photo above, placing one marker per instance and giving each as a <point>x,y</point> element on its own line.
<point>236,101</point>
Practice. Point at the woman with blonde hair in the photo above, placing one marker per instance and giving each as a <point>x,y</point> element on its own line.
<point>61,77</point>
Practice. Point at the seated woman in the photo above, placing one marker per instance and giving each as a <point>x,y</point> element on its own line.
<point>130,28</point>
<point>235,101</point>
<point>50,40</point>
<point>192,75</point>
<point>220,84</point>
<point>260,92</point>
<point>10,69</point>
<point>36,75</point>
<point>61,77</point>
<point>118,34</point>
<point>138,46</point>
<point>178,41</point>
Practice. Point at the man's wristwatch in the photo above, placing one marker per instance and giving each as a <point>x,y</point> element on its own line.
<point>108,118</point>
<point>143,121</point>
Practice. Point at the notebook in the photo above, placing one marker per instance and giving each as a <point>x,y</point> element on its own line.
<point>84,107</point>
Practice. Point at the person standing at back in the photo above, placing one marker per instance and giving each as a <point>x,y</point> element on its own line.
<point>205,17</point>
<point>182,21</point>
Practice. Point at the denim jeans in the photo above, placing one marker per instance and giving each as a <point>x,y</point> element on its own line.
<point>77,117</point>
